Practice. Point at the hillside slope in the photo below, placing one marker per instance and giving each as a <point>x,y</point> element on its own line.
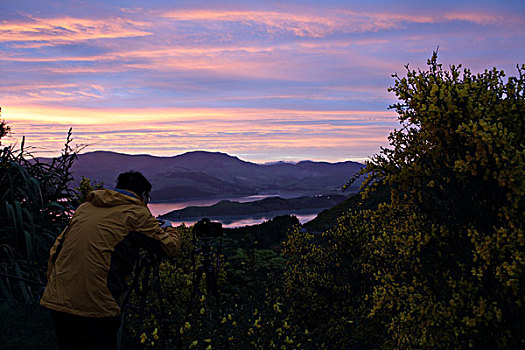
<point>327,219</point>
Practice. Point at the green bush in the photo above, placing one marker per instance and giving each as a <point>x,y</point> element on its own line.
<point>441,265</point>
<point>451,260</point>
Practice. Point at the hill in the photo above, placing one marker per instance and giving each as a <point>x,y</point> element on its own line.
<point>227,208</point>
<point>266,235</point>
<point>202,174</point>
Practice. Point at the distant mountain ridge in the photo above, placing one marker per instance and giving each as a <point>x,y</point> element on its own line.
<point>202,174</point>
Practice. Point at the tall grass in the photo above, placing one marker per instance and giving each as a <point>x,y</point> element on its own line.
<point>35,204</point>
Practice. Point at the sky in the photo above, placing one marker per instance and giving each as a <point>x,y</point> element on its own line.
<point>261,80</point>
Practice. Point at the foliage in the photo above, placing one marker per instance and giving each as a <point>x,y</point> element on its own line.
<point>246,314</point>
<point>456,220</point>
<point>267,235</point>
<point>84,188</point>
<point>442,265</point>
<point>4,128</point>
<point>323,286</point>
<point>34,208</point>
<point>460,147</point>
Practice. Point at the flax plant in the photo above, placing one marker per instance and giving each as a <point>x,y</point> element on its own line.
<point>35,204</point>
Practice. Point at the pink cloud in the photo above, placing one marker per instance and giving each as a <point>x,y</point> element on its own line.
<point>298,24</point>
<point>312,22</point>
<point>68,29</point>
<point>479,18</point>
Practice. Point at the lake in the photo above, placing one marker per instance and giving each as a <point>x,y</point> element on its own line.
<point>163,208</point>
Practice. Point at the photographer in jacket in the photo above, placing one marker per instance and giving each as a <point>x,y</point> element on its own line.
<point>91,262</point>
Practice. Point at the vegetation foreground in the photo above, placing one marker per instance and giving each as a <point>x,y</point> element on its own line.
<point>431,255</point>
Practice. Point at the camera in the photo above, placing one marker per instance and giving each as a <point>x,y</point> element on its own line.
<point>206,229</point>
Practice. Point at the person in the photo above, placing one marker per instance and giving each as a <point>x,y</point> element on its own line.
<point>92,260</point>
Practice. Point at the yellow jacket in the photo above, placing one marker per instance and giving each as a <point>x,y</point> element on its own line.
<point>93,258</point>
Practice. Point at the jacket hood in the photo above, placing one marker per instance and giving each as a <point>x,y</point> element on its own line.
<point>110,198</point>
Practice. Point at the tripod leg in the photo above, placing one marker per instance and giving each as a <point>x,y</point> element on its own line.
<point>143,294</point>
<point>209,281</point>
<point>196,282</point>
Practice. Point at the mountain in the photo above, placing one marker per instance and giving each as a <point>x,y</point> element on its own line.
<point>203,174</point>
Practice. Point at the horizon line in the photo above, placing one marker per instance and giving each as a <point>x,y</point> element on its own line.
<point>216,152</point>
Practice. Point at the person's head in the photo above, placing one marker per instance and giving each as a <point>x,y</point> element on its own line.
<point>135,182</point>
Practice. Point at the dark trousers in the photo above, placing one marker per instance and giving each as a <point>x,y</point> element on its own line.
<point>85,333</point>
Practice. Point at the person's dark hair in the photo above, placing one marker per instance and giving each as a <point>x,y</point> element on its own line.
<point>133,181</point>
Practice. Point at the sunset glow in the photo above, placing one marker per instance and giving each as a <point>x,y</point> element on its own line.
<point>263,81</point>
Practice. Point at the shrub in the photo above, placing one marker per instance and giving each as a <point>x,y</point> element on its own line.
<point>441,265</point>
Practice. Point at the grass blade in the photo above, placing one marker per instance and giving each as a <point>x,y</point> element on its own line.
<point>21,284</point>
<point>29,244</point>
<point>11,215</point>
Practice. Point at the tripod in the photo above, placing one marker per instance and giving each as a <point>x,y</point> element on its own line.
<point>207,269</point>
<point>206,231</point>
<point>147,272</point>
